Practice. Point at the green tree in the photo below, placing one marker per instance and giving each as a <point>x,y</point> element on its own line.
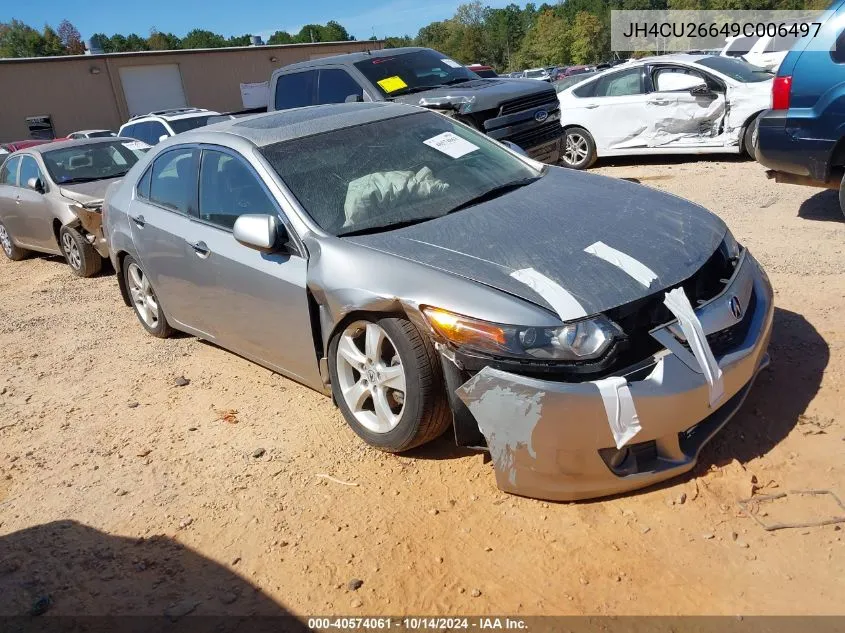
<point>239,40</point>
<point>308,33</point>
<point>333,32</point>
<point>104,42</point>
<point>19,40</point>
<point>280,37</point>
<point>158,41</point>
<point>51,44</point>
<point>199,38</point>
<point>586,44</point>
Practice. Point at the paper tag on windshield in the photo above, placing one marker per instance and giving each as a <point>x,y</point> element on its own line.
<point>136,145</point>
<point>392,84</point>
<point>451,144</point>
<point>451,62</point>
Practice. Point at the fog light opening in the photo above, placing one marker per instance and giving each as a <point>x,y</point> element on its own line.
<point>618,458</point>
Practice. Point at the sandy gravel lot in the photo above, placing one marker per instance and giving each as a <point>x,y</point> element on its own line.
<point>121,492</point>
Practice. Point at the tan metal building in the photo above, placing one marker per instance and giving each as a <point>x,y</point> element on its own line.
<point>102,91</point>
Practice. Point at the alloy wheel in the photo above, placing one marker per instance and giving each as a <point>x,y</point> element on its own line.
<point>143,297</point>
<point>71,250</point>
<point>576,149</point>
<point>6,241</point>
<point>371,375</point>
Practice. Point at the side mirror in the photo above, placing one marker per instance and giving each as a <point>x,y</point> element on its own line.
<point>35,184</point>
<point>701,90</point>
<point>163,137</point>
<point>354,99</point>
<point>261,232</point>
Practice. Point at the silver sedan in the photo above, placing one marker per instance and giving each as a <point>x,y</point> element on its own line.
<point>591,333</point>
<point>51,195</point>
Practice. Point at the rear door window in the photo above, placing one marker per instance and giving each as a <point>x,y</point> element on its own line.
<point>621,84</point>
<point>295,90</point>
<point>336,85</point>
<point>174,180</point>
<point>130,131</point>
<point>9,173</point>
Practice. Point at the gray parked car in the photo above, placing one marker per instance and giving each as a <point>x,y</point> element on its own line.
<point>50,198</point>
<point>426,276</point>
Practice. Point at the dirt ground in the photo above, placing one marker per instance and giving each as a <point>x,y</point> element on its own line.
<point>121,492</point>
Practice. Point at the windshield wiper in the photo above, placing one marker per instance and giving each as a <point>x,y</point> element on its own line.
<point>456,80</point>
<point>387,227</point>
<point>76,181</point>
<point>495,192</point>
<point>408,90</point>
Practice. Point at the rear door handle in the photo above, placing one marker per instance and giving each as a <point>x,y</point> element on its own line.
<point>200,248</point>
<point>591,106</point>
<point>658,101</point>
<point>17,199</point>
<point>138,219</point>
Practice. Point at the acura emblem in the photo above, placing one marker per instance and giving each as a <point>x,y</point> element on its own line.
<point>540,116</point>
<point>736,308</point>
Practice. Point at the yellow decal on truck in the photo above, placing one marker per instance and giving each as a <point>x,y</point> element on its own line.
<point>392,84</point>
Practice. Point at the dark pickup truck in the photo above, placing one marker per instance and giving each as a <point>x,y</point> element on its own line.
<point>523,112</point>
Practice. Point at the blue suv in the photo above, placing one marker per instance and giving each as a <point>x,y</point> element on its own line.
<point>802,138</point>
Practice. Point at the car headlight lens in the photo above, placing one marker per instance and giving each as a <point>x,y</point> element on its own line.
<point>582,340</point>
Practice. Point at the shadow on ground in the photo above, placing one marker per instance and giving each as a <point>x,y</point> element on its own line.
<point>779,397</point>
<point>667,159</point>
<point>823,206</point>
<point>65,568</point>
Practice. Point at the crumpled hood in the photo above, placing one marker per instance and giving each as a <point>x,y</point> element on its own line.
<point>488,93</point>
<point>547,225</point>
<point>86,193</point>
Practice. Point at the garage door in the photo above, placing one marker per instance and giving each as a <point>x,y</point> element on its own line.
<point>150,88</point>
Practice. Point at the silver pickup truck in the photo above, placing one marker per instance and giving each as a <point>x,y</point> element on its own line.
<point>523,112</point>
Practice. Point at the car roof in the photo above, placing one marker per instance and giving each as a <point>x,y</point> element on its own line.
<point>351,58</point>
<point>284,125</point>
<point>171,115</point>
<point>684,58</point>
<point>90,131</point>
<point>76,142</point>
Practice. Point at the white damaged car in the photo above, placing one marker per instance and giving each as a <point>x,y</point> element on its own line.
<point>675,104</point>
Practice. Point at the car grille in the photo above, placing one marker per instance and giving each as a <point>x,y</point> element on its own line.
<point>531,101</point>
<point>638,318</point>
<point>537,136</point>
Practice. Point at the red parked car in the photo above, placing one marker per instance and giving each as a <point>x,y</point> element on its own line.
<point>14,146</point>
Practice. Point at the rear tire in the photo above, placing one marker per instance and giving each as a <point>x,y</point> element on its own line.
<point>579,149</point>
<point>15,253</point>
<point>144,300</point>
<point>414,407</point>
<point>750,136</point>
<point>842,195</point>
<point>79,254</point>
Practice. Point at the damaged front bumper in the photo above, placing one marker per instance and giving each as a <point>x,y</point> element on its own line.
<point>552,440</point>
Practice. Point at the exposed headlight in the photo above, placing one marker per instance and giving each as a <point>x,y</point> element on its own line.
<point>582,340</point>
<point>731,245</point>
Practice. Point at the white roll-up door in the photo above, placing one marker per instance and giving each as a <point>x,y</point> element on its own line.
<point>150,88</point>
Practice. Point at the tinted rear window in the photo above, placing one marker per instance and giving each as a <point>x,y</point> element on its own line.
<point>295,90</point>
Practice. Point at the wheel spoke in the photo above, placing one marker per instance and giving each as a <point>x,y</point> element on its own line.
<point>135,276</point>
<point>372,341</point>
<point>382,408</point>
<point>349,351</point>
<point>357,395</point>
<point>393,377</point>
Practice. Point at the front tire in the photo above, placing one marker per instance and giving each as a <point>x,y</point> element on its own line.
<point>579,149</point>
<point>144,300</point>
<point>842,195</point>
<point>388,383</point>
<point>15,253</point>
<point>79,254</point>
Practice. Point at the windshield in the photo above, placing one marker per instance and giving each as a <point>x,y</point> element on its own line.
<point>395,172</point>
<point>566,82</point>
<point>94,161</point>
<point>413,72</point>
<point>737,69</point>
<point>190,123</point>
<point>533,74</point>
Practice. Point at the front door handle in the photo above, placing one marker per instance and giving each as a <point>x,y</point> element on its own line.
<point>591,106</point>
<point>658,101</point>
<point>138,219</point>
<point>200,248</point>
<point>17,199</point>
